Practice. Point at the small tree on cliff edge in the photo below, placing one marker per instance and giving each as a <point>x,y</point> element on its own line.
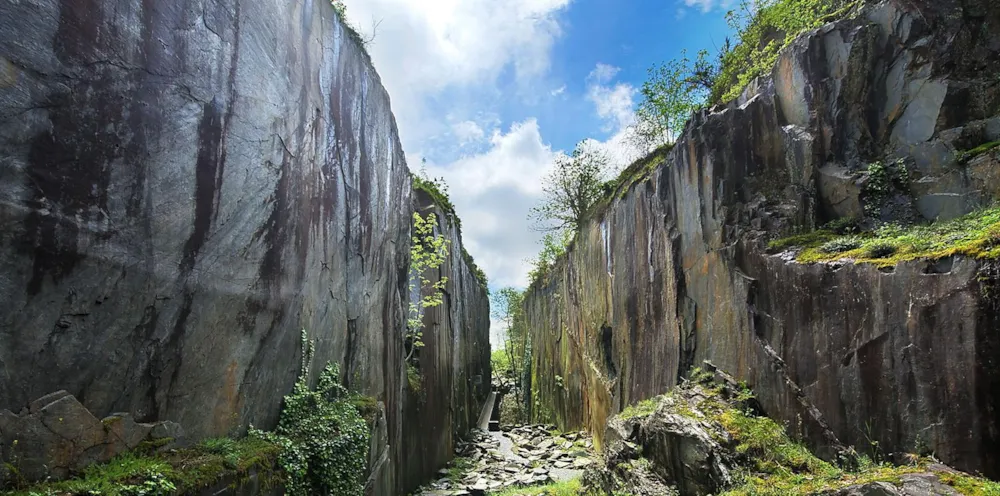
<point>571,189</point>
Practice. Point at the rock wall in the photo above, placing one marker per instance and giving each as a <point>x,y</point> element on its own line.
<point>185,186</point>
<point>454,364</point>
<point>675,271</point>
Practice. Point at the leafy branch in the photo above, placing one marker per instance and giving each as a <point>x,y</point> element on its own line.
<point>428,252</point>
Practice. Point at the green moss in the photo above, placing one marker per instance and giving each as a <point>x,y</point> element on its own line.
<point>976,235</point>
<point>177,471</point>
<point>110,421</point>
<point>969,485</point>
<point>966,156</point>
<point>810,239</point>
<point>476,271</point>
<point>774,464</point>
<point>367,406</point>
<point>571,487</point>
<point>628,177</point>
<point>640,409</point>
<point>414,380</point>
<point>436,189</point>
<point>459,467</point>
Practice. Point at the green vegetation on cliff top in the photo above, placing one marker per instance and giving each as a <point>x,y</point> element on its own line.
<point>976,235</point>
<point>763,28</point>
<point>437,189</point>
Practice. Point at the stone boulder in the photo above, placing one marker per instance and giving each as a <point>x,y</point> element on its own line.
<point>708,436</point>
<point>840,192</point>
<point>56,436</point>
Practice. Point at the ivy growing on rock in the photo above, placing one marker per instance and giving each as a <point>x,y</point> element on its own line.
<point>323,437</point>
<point>883,180</point>
<point>428,251</point>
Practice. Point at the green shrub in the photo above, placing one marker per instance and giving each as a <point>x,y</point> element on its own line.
<point>640,409</point>
<point>840,245</point>
<point>843,225</point>
<point>880,250</point>
<point>323,436</point>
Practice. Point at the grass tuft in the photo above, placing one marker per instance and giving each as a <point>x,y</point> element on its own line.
<point>571,487</point>
<point>640,409</point>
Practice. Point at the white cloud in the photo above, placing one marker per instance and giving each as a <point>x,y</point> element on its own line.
<point>441,61</point>
<point>467,132</point>
<point>681,13</point>
<point>603,73</point>
<point>424,48</point>
<point>493,193</point>
<point>709,5</point>
<point>613,102</point>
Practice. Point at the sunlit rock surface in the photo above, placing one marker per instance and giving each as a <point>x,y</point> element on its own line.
<point>675,270</point>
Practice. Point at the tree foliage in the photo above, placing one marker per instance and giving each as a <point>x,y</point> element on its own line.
<point>505,307</point>
<point>573,186</point>
<point>671,93</point>
<point>437,189</point>
<point>511,362</point>
<point>428,251</point>
<point>554,245</point>
<point>679,87</point>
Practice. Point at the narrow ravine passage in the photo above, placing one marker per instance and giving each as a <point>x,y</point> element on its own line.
<point>518,456</point>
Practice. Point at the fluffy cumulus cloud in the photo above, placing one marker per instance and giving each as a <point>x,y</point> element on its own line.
<point>704,6</point>
<point>614,103</point>
<point>442,62</point>
<point>423,48</point>
<point>494,192</point>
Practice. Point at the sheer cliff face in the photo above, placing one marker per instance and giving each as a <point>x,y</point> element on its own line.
<point>185,186</point>
<point>674,271</point>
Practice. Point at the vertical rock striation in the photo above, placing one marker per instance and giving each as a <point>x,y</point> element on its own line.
<point>186,185</point>
<point>675,270</point>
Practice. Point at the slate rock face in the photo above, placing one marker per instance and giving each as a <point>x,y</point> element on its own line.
<point>675,272</point>
<point>184,187</point>
<point>57,435</point>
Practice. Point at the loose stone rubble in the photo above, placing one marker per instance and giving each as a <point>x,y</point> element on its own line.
<point>519,456</point>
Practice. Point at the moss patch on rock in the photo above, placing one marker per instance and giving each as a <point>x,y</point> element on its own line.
<point>965,156</point>
<point>976,235</point>
<point>725,427</point>
<point>173,472</point>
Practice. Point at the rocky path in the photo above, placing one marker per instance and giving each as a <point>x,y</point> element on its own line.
<point>522,456</point>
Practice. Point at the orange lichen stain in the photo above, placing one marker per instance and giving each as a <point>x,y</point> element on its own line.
<point>226,412</point>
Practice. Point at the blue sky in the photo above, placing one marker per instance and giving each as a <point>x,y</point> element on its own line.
<point>491,93</point>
